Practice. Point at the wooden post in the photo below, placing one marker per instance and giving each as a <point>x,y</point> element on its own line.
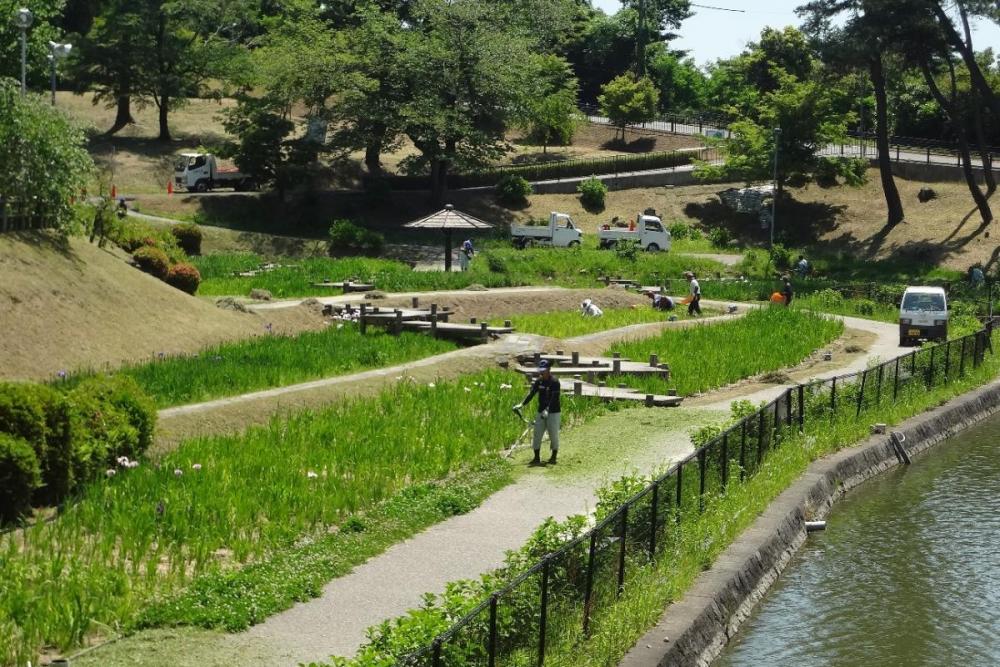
<point>472,320</point>
<point>649,400</point>
<point>654,360</point>
<point>398,324</point>
<point>576,358</point>
<point>577,388</point>
<point>362,324</point>
<point>434,324</point>
<point>591,377</point>
<point>507,324</point>
<point>483,333</point>
<point>616,365</point>
<point>560,352</point>
<point>415,302</point>
<point>538,358</point>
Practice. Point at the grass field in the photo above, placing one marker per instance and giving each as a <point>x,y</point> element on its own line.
<point>274,361</point>
<point>218,504</point>
<point>492,268</point>
<point>569,323</point>
<point>706,357</point>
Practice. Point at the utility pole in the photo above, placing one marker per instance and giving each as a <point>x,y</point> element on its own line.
<point>774,199</point>
<point>640,47</point>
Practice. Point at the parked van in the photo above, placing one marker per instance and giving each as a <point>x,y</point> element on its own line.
<point>923,315</point>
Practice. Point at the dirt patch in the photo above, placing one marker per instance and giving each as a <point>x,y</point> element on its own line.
<point>66,304</point>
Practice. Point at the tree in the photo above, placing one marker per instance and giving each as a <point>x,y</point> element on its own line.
<point>44,27</point>
<point>626,100</point>
<point>43,158</point>
<point>679,81</point>
<point>551,113</point>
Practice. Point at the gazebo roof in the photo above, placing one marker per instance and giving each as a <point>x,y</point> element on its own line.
<point>449,218</point>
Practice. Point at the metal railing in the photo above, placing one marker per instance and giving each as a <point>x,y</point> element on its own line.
<point>559,598</point>
<point>706,124</point>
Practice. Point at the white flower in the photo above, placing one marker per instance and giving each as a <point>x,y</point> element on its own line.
<point>110,472</point>
<point>506,386</point>
<point>398,378</point>
<point>467,389</point>
<point>340,326</point>
<point>178,472</point>
<point>196,466</point>
<point>311,475</point>
<point>122,461</point>
<point>430,384</point>
<point>133,464</point>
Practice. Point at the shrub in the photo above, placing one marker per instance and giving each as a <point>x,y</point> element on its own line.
<point>117,419</point>
<point>679,230</point>
<point>592,193</point>
<point>184,277</point>
<point>719,237</point>
<point>348,238</point>
<point>513,189</point>
<point>627,249</point>
<point>153,261</point>
<point>19,477</point>
<point>865,307</point>
<point>495,262</point>
<point>40,416</point>
<point>188,237</point>
<point>829,298</point>
<point>131,235</point>
<point>781,257</point>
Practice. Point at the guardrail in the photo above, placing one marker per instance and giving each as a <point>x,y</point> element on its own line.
<point>558,597</point>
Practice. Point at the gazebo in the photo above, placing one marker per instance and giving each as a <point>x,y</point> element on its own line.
<point>448,219</point>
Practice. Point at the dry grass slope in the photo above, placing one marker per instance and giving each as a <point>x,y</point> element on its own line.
<point>68,304</point>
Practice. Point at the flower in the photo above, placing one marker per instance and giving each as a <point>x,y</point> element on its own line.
<point>195,466</point>
<point>110,472</point>
<point>217,358</point>
<point>506,386</point>
<point>467,389</point>
<point>178,472</point>
<point>133,464</point>
<point>430,384</point>
<point>340,326</point>
<point>268,327</point>
<point>399,377</point>
<point>160,355</point>
<point>122,461</point>
<point>62,375</point>
<point>311,475</point>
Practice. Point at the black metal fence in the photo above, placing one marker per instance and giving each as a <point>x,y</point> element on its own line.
<point>561,598</point>
<point>706,124</point>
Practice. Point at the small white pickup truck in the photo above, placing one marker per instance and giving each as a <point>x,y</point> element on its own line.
<point>201,172</point>
<point>648,230</point>
<point>559,233</point>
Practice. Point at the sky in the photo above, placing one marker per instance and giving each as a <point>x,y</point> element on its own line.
<point>712,34</point>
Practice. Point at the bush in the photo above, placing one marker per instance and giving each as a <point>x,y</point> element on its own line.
<point>153,261</point>
<point>131,235</point>
<point>679,230</point>
<point>627,249</point>
<point>495,262</point>
<point>116,419</point>
<point>865,307</point>
<point>188,237</point>
<point>184,277</point>
<point>348,238</point>
<point>40,416</point>
<point>829,298</point>
<point>719,237</point>
<point>781,257</point>
<point>513,189</point>
<point>19,477</point>
<point>592,193</point>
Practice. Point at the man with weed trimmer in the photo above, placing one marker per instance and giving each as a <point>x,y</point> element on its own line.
<point>547,387</point>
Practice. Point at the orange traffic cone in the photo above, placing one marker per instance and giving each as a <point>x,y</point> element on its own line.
<point>114,191</point>
<point>170,187</point>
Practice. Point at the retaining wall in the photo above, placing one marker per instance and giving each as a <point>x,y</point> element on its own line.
<point>694,630</point>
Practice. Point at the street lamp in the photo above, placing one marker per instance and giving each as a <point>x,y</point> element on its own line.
<point>23,20</point>
<point>774,200</point>
<point>57,51</point>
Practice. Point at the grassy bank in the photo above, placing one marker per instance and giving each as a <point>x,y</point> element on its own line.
<point>705,357</point>
<point>570,323</point>
<point>218,505</point>
<point>501,267</point>
<point>273,361</point>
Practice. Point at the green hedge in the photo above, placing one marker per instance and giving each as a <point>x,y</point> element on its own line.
<point>73,436</point>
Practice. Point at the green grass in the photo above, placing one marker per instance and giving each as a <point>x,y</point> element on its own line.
<point>705,357</point>
<point>570,323</point>
<point>223,503</point>
<point>500,267</point>
<point>273,361</point>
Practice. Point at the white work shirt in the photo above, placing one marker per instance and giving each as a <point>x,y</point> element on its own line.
<point>695,287</point>
<point>592,310</point>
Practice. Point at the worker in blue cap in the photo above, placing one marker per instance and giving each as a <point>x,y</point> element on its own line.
<point>547,387</point>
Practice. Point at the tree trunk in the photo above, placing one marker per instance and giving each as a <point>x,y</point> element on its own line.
<point>123,115</point>
<point>892,201</point>
<point>964,49</point>
<point>984,151</point>
<point>373,158</point>
<point>957,123</point>
<point>164,109</point>
<point>439,181</point>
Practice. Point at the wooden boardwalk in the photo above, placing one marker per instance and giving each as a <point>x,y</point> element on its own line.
<point>431,320</point>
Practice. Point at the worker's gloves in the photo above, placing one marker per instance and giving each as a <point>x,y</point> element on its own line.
<point>545,414</point>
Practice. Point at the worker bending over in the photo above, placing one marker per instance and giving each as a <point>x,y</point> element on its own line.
<point>547,387</point>
<point>590,309</point>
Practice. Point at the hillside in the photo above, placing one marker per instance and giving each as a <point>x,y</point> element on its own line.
<point>68,304</point>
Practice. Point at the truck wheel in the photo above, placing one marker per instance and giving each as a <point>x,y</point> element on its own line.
<point>652,247</point>
<point>201,186</point>
<point>574,244</point>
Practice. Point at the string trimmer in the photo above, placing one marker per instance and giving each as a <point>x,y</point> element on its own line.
<point>517,443</point>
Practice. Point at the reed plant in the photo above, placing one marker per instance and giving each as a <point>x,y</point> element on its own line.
<point>569,323</point>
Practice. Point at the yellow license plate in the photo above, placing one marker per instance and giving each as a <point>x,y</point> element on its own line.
<point>913,332</point>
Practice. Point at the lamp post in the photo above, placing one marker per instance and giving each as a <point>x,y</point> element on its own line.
<point>23,20</point>
<point>57,51</point>
<point>774,200</point>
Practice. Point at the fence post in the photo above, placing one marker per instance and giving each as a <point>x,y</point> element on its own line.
<point>878,385</point>
<point>544,612</point>
<point>589,589</point>
<point>621,551</point>
<point>680,469</point>
<point>436,652</point>
<point>947,359</point>
<point>653,520</point>
<point>895,382</point>
<point>913,362</point>
<point>725,458</point>
<point>743,449</point>
<point>702,466</point>
<point>802,411</point>
<point>788,408</point>
<point>833,399</point>
<point>961,361</point>
<point>861,392</point>
<point>928,155</point>
<point>760,435</point>
<point>930,369</point>
<point>493,631</point>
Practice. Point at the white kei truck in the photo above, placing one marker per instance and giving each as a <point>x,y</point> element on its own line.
<point>923,315</point>
<point>648,230</point>
<point>559,233</point>
<point>201,172</point>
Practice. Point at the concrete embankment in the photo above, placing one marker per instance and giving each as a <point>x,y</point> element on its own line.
<point>694,630</point>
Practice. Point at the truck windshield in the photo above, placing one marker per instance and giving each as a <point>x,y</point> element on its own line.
<point>196,161</point>
<point>923,302</point>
